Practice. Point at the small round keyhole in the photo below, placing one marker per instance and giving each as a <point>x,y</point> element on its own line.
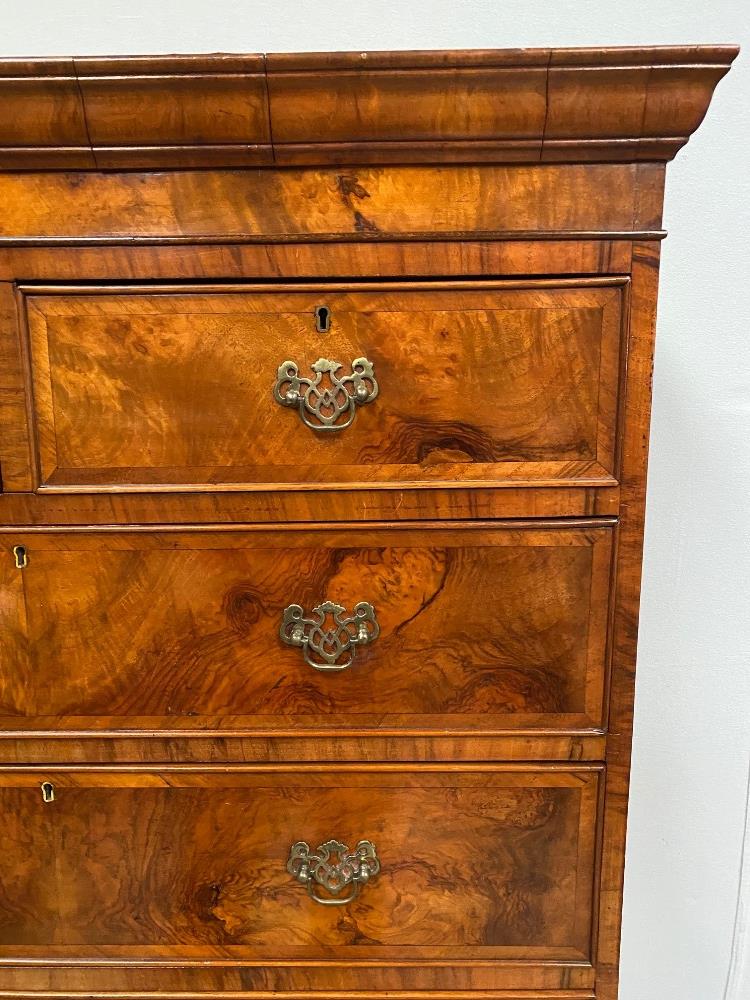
<point>322,319</point>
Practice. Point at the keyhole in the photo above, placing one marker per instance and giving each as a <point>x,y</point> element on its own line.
<point>322,319</point>
<point>48,791</point>
<point>19,551</point>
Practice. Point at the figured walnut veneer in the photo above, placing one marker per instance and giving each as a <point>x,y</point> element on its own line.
<point>190,861</point>
<point>484,228</point>
<point>516,382</point>
<point>503,628</point>
<point>527,105</point>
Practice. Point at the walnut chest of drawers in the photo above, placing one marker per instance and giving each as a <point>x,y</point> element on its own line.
<point>324,396</point>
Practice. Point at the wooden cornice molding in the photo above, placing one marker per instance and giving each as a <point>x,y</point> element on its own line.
<point>482,106</point>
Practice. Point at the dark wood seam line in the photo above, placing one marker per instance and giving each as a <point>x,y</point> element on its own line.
<point>24,347</point>
<point>439,524</point>
<point>269,116</point>
<point>350,732</point>
<point>297,768</point>
<point>220,994</point>
<point>84,115</point>
<point>546,108</point>
<point>469,142</point>
<point>189,74</point>
<point>57,961</point>
<point>348,239</point>
<point>645,101</point>
<point>602,326</point>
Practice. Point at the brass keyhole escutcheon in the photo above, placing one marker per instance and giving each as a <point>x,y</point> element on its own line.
<point>21,556</point>
<point>48,791</point>
<point>322,319</point>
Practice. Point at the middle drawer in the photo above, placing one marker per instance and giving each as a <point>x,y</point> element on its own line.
<point>446,628</point>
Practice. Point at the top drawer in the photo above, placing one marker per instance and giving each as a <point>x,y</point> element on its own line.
<point>174,387</point>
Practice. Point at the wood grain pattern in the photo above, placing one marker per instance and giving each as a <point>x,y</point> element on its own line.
<point>481,385</point>
<point>361,108</point>
<point>43,119</point>
<point>366,203</point>
<point>483,741</point>
<point>625,622</point>
<point>532,105</point>
<point>15,455</point>
<point>376,260</point>
<point>310,506</point>
<point>229,980</point>
<point>179,111</point>
<point>130,864</point>
<point>93,741</point>
<point>168,631</point>
<point>618,106</point>
<point>329,995</point>
<point>406,981</point>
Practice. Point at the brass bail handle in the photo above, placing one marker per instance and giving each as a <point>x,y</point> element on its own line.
<point>328,401</point>
<point>333,647</point>
<point>333,868</point>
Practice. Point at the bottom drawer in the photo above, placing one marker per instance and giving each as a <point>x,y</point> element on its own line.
<point>483,871</point>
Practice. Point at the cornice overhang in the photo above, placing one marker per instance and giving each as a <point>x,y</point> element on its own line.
<point>314,109</point>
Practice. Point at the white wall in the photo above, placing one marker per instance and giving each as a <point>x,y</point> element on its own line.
<point>693,710</point>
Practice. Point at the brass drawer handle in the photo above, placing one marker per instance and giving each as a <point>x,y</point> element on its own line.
<point>329,406</point>
<point>334,869</point>
<point>324,648</point>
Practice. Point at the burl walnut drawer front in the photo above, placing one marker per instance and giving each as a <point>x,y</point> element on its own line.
<point>451,628</point>
<point>302,863</point>
<point>505,382</point>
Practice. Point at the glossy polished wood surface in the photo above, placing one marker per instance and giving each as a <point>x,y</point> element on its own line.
<point>533,105</point>
<point>485,228</point>
<point>512,382</point>
<point>365,202</point>
<point>491,863</point>
<point>500,628</point>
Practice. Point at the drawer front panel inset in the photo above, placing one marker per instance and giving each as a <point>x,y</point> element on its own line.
<point>446,628</point>
<point>504,383</point>
<point>480,863</point>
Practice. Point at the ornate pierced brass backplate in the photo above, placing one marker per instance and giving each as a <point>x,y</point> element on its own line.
<point>332,647</point>
<point>334,868</point>
<point>327,402</point>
